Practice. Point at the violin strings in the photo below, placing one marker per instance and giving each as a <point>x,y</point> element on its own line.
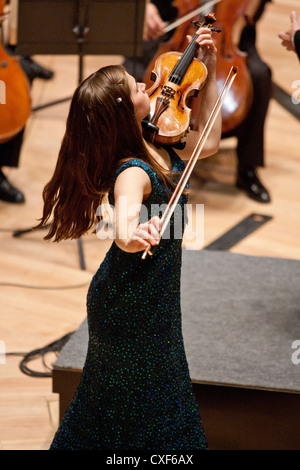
<point>178,71</point>
<point>183,63</point>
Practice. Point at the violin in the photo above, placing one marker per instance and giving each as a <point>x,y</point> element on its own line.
<point>229,13</point>
<point>177,77</point>
<point>16,110</point>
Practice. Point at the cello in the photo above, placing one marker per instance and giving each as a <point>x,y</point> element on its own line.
<point>228,13</point>
<point>236,107</point>
<point>16,106</point>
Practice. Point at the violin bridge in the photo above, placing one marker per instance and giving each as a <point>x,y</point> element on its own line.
<point>162,102</point>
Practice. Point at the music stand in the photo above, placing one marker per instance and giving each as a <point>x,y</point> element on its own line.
<point>80,27</point>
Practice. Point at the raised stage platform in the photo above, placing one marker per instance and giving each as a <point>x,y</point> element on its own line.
<point>241,319</point>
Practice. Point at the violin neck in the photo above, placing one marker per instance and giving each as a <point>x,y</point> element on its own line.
<point>180,69</point>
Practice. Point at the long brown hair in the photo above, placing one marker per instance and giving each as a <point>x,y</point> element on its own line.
<point>101,133</point>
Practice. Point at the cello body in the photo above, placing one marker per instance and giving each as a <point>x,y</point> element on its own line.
<point>239,99</point>
<point>16,110</point>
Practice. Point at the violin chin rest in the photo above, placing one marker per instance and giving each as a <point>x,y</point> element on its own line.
<point>149,127</point>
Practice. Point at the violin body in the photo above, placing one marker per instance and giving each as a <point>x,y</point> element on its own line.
<point>16,110</point>
<point>174,119</point>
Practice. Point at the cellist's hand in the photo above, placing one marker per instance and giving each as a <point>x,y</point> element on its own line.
<point>207,51</point>
<point>154,25</point>
<point>287,37</point>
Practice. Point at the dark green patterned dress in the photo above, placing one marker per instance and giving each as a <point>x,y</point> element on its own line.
<point>135,391</point>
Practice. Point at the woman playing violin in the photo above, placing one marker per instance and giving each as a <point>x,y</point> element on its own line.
<point>135,391</point>
<point>250,133</point>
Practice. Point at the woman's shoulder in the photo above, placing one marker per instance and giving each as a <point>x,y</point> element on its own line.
<point>133,176</point>
<point>134,162</point>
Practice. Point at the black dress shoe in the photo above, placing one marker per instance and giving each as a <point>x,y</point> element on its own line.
<point>249,182</point>
<point>34,70</point>
<point>30,67</point>
<point>9,193</point>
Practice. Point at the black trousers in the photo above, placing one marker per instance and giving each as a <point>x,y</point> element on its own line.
<point>250,134</point>
<point>10,151</point>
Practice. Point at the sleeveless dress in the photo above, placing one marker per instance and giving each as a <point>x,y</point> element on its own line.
<point>135,391</point>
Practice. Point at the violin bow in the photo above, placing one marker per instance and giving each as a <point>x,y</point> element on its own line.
<point>190,15</point>
<point>167,214</point>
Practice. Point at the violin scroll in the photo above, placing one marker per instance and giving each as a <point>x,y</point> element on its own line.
<point>210,19</point>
